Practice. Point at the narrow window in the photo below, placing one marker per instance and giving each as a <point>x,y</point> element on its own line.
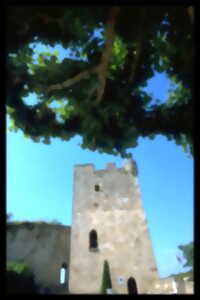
<point>63,273</point>
<point>93,242</point>
<point>97,188</point>
<point>132,286</point>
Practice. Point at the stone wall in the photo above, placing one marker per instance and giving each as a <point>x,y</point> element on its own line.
<point>47,247</point>
<point>171,286</point>
<point>189,287</point>
<point>163,286</point>
<point>44,246</point>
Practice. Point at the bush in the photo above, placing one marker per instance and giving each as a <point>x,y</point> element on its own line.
<point>106,279</point>
<point>19,279</point>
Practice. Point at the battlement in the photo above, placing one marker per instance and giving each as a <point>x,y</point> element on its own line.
<point>88,167</point>
<point>129,166</point>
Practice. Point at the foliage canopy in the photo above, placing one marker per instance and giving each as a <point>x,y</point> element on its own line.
<point>188,254</point>
<point>99,87</point>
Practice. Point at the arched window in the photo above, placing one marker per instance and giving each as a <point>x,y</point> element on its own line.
<point>93,241</point>
<point>132,286</point>
<point>97,188</point>
<point>63,273</point>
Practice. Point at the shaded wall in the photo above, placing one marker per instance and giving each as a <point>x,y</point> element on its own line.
<point>44,246</point>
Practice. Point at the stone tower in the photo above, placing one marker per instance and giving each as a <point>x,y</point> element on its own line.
<point>108,223</point>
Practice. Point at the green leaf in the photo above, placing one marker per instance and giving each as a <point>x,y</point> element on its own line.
<point>46,141</point>
<point>114,67</point>
<point>41,60</point>
<point>151,136</point>
<point>9,110</point>
<point>36,139</point>
<point>12,126</point>
<point>18,267</point>
<point>55,53</point>
<point>51,99</point>
<point>60,101</point>
<point>57,109</point>
<point>26,136</point>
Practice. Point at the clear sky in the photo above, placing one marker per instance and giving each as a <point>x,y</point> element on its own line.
<point>40,181</point>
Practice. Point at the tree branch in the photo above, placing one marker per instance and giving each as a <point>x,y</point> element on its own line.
<point>191,13</point>
<point>100,69</point>
<point>138,49</point>
<point>75,79</point>
<point>136,59</point>
<point>48,19</point>
<point>110,35</point>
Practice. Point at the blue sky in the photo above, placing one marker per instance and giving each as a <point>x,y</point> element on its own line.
<point>40,181</point>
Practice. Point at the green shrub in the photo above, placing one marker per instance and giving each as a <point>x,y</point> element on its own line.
<point>19,267</point>
<point>19,279</point>
<point>106,278</point>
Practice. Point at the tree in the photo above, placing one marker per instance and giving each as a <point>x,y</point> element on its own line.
<point>106,279</point>
<point>188,254</point>
<point>99,89</point>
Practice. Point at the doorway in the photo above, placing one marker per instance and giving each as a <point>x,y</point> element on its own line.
<point>132,286</point>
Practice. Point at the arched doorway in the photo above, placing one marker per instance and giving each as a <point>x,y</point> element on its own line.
<point>132,286</point>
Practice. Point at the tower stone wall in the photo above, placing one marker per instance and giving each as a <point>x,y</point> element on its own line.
<point>109,203</point>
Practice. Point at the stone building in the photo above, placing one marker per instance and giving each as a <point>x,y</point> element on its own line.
<point>108,223</point>
<point>107,207</point>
